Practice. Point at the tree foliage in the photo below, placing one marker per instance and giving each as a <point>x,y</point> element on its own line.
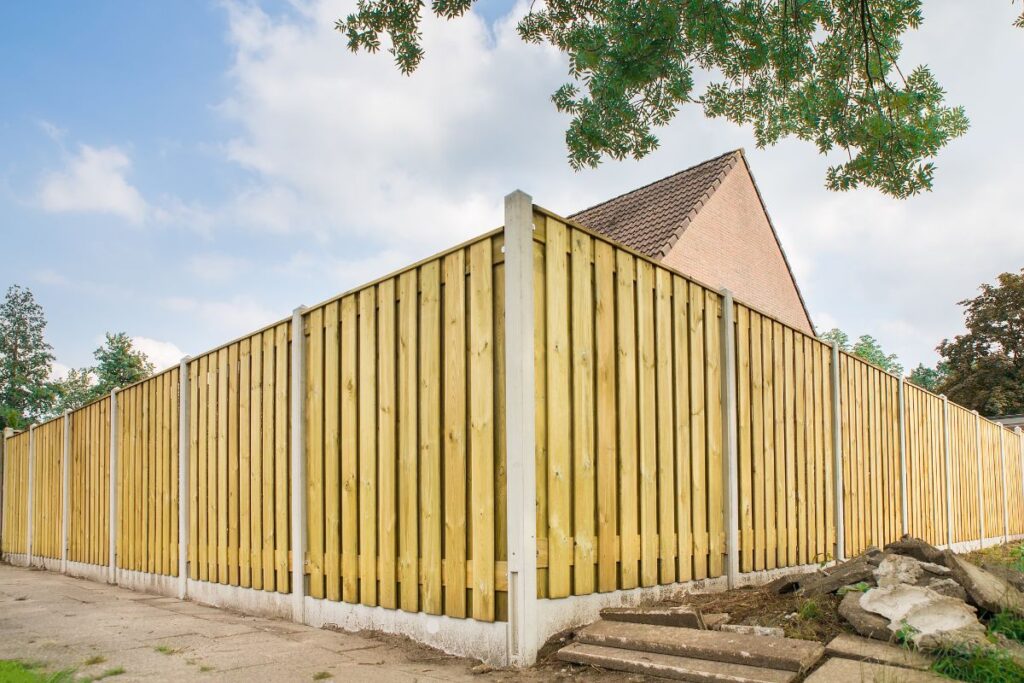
<point>824,71</point>
<point>928,378</point>
<point>119,364</point>
<point>985,366</point>
<point>26,360</point>
<point>867,348</point>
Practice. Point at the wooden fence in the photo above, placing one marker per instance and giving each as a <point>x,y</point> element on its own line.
<point>678,436</point>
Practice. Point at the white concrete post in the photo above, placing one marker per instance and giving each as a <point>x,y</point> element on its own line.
<point>1002,472</point>
<point>949,478</point>
<point>981,503</point>
<point>8,433</point>
<point>112,529</point>
<point>65,494</point>
<point>837,452</point>
<point>298,455</point>
<point>1020,443</point>
<point>183,493</point>
<point>523,641</point>
<point>729,437</point>
<point>31,485</point>
<point>904,512</point>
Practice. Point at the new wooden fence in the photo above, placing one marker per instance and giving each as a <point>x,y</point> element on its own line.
<point>642,377</point>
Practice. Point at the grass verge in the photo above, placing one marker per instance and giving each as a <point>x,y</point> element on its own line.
<point>978,665</point>
<point>16,671</point>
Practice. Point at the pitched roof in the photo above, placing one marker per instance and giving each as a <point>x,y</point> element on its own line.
<point>651,218</point>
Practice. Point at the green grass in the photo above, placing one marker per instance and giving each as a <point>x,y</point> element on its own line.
<point>110,673</point>
<point>95,659</point>
<point>809,611</point>
<point>1009,624</point>
<point>204,668</point>
<point>321,676</point>
<point>978,665</point>
<point>165,649</point>
<point>15,671</point>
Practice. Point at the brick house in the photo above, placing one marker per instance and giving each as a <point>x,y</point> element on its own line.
<point>709,222</point>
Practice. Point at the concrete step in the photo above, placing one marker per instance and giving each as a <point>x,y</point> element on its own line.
<point>683,616</point>
<point>786,654</point>
<point>839,670</point>
<point>671,666</point>
<point>867,650</point>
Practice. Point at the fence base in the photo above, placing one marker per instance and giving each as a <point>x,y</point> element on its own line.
<point>248,600</point>
<point>48,563</point>
<point>157,584</point>
<point>461,637</point>
<point>16,559</point>
<point>93,572</point>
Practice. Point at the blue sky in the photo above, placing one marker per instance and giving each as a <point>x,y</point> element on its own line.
<point>188,171</point>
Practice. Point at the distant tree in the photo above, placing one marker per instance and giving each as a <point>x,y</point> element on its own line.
<point>26,360</point>
<point>928,378</point>
<point>74,391</point>
<point>985,366</point>
<point>119,364</point>
<point>867,348</point>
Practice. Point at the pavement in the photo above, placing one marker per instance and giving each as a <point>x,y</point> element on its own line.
<point>66,622</point>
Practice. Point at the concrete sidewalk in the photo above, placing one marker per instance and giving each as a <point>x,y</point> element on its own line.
<point>64,622</point>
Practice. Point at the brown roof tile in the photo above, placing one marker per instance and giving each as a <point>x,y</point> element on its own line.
<point>650,219</point>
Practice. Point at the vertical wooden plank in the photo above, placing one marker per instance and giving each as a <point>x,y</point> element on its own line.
<point>256,446</point>
<point>161,497</point>
<point>429,397</point>
<point>232,379</point>
<point>454,348</point>
<point>314,455</point>
<point>350,450</point>
<point>387,516</point>
<point>746,470</point>
<point>408,443</point>
<point>607,479</point>
<point>212,467</point>
<point>332,456</point>
<point>173,408</point>
<point>757,440</point>
<point>197,424</point>
<point>222,465</point>
<point>716,485</point>
<point>559,419</point>
<point>583,438</point>
<point>282,406</point>
<point>698,431</point>
<point>646,390</point>
<point>245,498</point>
<point>269,470</point>
<point>368,446</point>
<point>665,427</point>
<point>770,459</point>
<point>481,425</point>
<point>793,541</point>
<point>625,333</point>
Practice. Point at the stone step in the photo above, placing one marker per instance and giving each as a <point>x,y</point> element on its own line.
<point>759,651</point>
<point>839,670</point>
<point>867,650</point>
<point>683,616</point>
<point>671,666</point>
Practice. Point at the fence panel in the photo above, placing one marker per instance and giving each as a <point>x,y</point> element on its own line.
<point>991,478</point>
<point>239,462</point>
<point>405,439</point>
<point>926,468</point>
<point>784,410</point>
<point>871,455</point>
<point>1015,481</point>
<point>963,455</point>
<point>48,486</point>
<point>89,477</point>
<point>629,418</point>
<point>147,433</point>
<point>15,520</point>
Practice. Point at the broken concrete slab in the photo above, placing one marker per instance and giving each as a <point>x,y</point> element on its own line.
<point>670,666</point>
<point>868,650</point>
<point>774,653</point>
<point>838,670</point>
<point>947,587</point>
<point>986,590</point>
<point>866,623</point>
<point>786,584</point>
<point>916,548</point>
<point>933,619</point>
<point>897,569</point>
<point>681,615</point>
<point>773,631</point>
<point>1008,574</point>
<point>714,621</point>
<point>851,572</point>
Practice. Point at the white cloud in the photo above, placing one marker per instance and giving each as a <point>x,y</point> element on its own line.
<point>162,354</point>
<point>93,181</point>
<point>58,371</point>
<point>213,267</point>
<point>225,319</point>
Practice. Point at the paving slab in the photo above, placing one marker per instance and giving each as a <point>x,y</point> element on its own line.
<point>867,650</point>
<point>683,616</point>
<point>837,670</point>
<point>670,666</point>
<point>776,653</point>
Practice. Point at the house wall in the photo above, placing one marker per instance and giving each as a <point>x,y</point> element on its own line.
<point>731,244</point>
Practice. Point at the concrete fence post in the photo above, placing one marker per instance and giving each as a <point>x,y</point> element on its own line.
<point>31,486</point>
<point>981,500</point>
<point>904,504</point>
<point>949,478</point>
<point>298,465</point>
<point>8,433</point>
<point>520,436</point>
<point>837,454</point>
<point>65,516</point>
<point>183,464</point>
<point>112,528</point>
<point>1002,475</point>
<point>730,441</point>
<point>1020,454</point>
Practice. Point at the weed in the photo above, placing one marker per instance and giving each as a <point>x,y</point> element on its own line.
<point>905,634</point>
<point>861,587</point>
<point>205,667</point>
<point>1009,624</point>
<point>16,671</point>
<point>95,659</point>
<point>1018,557</point>
<point>809,611</point>
<point>110,673</point>
<point>165,649</point>
<point>978,665</point>
<point>321,676</point>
